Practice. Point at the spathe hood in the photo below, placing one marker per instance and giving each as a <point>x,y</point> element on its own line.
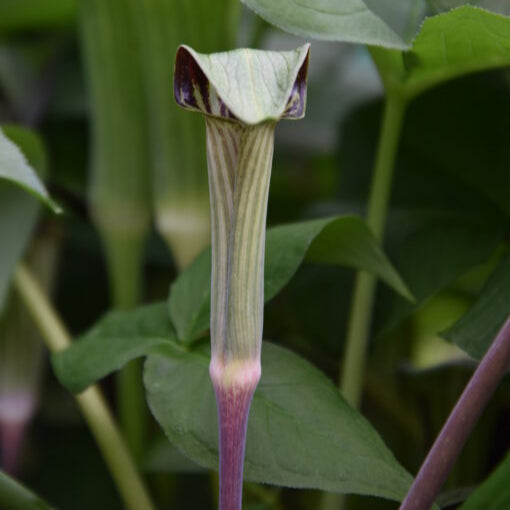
<point>248,86</point>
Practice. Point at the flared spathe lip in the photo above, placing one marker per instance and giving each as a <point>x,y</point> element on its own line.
<point>244,85</point>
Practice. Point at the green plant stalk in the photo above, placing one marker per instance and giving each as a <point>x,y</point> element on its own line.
<point>124,261</point>
<point>119,190</point>
<point>180,192</point>
<point>91,401</point>
<point>360,317</point>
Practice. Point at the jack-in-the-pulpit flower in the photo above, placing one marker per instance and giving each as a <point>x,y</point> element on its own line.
<point>243,94</point>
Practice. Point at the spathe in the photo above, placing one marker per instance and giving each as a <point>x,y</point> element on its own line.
<point>248,86</point>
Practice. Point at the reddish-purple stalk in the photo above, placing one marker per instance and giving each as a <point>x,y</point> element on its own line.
<point>457,429</point>
<point>11,434</point>
<point>234,385</point>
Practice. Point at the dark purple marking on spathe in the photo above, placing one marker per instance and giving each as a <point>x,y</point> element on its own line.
<point>225,113</point>
<point>188,76</point>
<point>233,409</point>
<point>297,98</point>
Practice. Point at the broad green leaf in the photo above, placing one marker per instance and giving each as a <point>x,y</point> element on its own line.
<point>449,45</point>
<point>434,257</point>
<point>301,432</point>
<point>493,493</point>
<point>402,16</point>
<point>477,328</point>
<point>456,145</point>
<point>114,341</point>
<point>344,241</point>
<point>15,168</point>
<point>189,301</point>
<point>499,6</point>
<point>266,85</point>
<point>367,22</point>
<point>13,496</point>
<point>18,209</point>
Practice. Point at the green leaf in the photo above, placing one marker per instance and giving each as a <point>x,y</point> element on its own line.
<point>163,457</point>
<point>434,257</point>
<point>301,432</point>
<point>15,168</point>
<point>189,301</point>
<point>477,328</point>
<point>266,85</point>
<point>493,493</point>
<point>114,341</point>
<point>344,241</point>
<point>456,145</point>
<point>449,45</point>
<point>13,496</point>
<point>18,210</point>
<point>382,23</point>
<point>499,6</point>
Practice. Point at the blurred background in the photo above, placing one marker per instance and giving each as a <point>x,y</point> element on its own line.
<point>93,78</point>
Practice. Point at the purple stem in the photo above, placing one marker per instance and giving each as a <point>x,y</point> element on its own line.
<point>11,435</point>
<point>233,398</point>
<point>457,429</point>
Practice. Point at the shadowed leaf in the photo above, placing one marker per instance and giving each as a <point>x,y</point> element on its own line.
<point>391,24</point>
<point>18,209</point>
<point>477,328</point>
<point>114,341</point>
<point>15,168</point>
<point>493,493</point>
<point>13,496</point>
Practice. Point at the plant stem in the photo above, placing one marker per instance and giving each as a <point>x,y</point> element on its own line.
<point>458,427</point>
<point>91,401</point>
<point>125,261</point>
<point>119,188</point>
<point>361,309</point>
<point>360,319</point>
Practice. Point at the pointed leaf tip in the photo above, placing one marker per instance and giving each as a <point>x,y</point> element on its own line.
<point>248,86</point>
